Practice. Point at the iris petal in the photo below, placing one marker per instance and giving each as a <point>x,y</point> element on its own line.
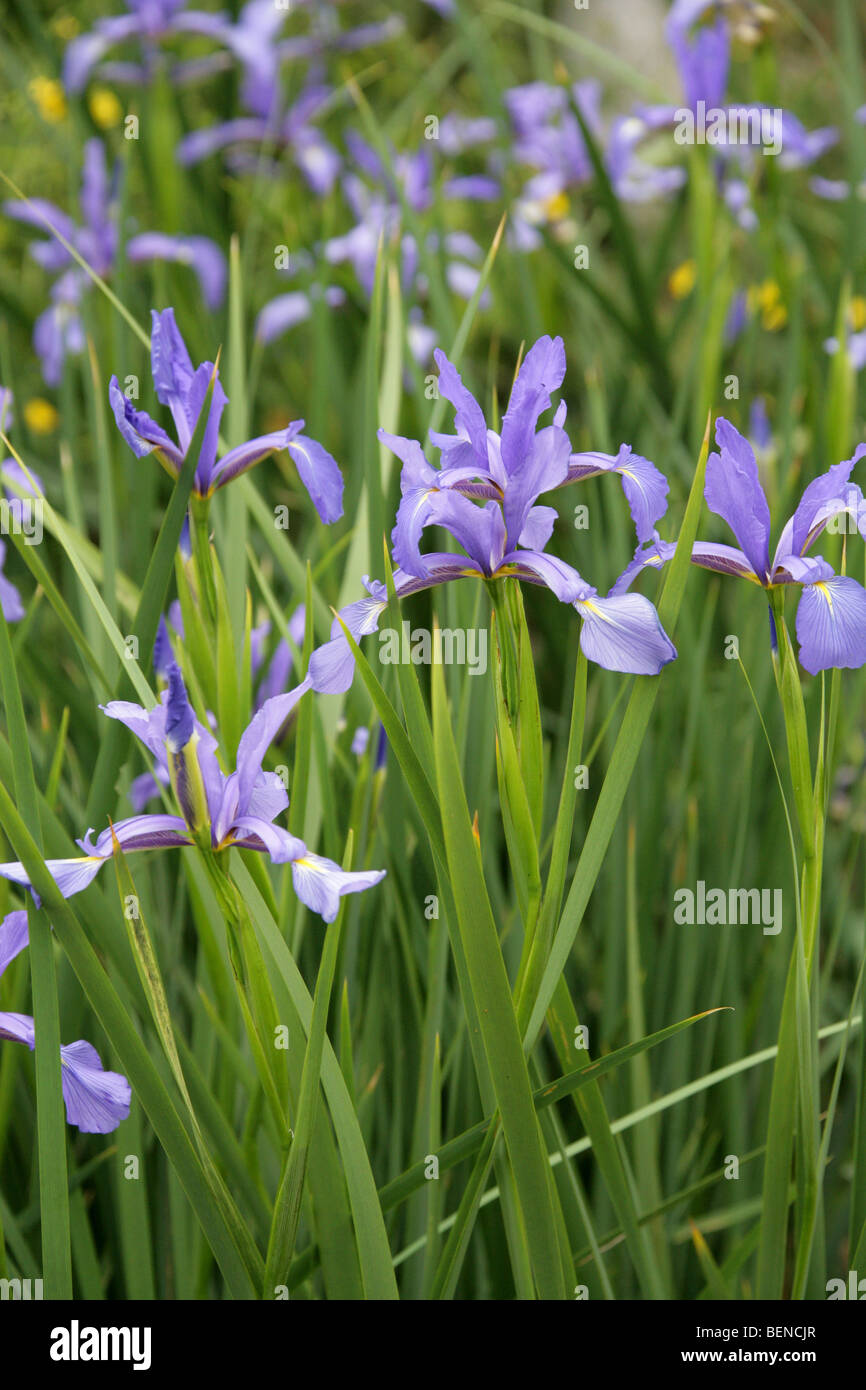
<point>623,633</point>
<point>733,491</point>
<point>831,625</point>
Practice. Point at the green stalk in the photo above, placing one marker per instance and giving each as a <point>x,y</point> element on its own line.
<point>202,558</point>
<point>287,1208</point>
<point>786,1087</point>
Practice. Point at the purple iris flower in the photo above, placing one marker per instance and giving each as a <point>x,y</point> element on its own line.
<point>17,483</point>
<point>371,190</point>
<point>703,57</point>
<point>286,310</point>
<point>218,811</point>
<point>96,1100</point>
<point>360,739</point>
<point>760,430</point>
<point>59,329</point>
<point>855,346</point>
<point>831,615</point>
<point>148,24</point>
<point>289,132</point>
<point>274,681</point>
<point>183,389</point>
<point>10,599</point>
<point>699,36</point>
<point>255,43</point>
<point>485,495</point>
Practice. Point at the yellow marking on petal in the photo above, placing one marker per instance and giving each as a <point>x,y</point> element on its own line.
<point>40,416</point>
<point>825,593</point>
<point>556,206</point>
<point>49,99</point>
<point>308,864</point>
<point>681,281</point>
<point>591,608</point>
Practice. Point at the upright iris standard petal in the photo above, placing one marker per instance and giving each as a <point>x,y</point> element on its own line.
<point>544,467</point>
<point>163,656</point>
<point>179,717</point>
<point>538,527</point>
<point>257,739</point>
<point>733,491</point>
<point>824,497</point>
<point>831,624</point>
<point>468,417</point>
<point>542,371</point>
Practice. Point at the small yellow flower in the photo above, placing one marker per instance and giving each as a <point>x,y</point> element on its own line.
<point>775,318</point>
<point>556,206</point>
<point>857,312</point>
<point>65,26</point>
<point>767,299</point>
<point>105,108</point>
<point>681,281</point>
<point>49,99</point>
<point>40,416</point>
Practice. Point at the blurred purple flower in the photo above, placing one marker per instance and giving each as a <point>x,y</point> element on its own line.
<point>288,132</point>
<point>10,599</point>
<point>148,24</point>
<point>59,329</point>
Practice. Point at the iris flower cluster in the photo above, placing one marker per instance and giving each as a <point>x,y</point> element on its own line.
<point>215,810</point>
<point>376,191</point>
<point>59,329</point>
<point>485,494</point>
